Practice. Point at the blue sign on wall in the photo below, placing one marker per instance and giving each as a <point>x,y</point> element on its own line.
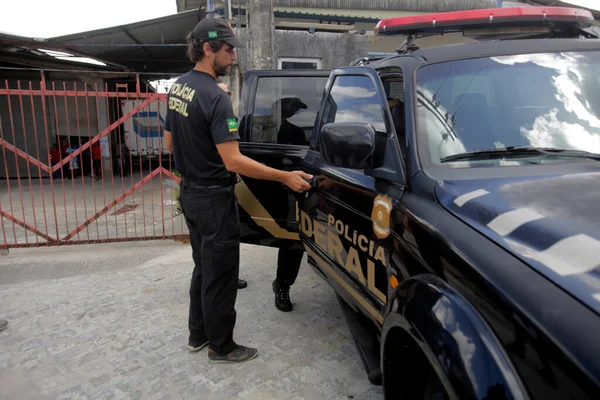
<point>148,124</point>
<point>499,3</point>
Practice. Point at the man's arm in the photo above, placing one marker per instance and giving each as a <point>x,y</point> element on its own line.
<point>239,163</point>
<point>168,141</point>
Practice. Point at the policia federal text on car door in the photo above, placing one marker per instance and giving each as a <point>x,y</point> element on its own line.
<point>345,223</point>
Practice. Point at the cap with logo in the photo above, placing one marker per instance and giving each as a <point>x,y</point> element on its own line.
<point>215,29</point>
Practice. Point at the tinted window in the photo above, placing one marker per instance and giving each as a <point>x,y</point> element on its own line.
<point>541,100</point>
<point>299,65</point>
<point>354,99</point>
<point>285,109</point>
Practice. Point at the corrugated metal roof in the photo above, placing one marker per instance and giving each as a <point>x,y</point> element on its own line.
<point>152,46</point>
<point>26,52</point>
<point>124,44</point>
<point>398,5</point>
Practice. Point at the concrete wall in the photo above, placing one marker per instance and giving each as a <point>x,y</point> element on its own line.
<point>408,5</point>
<point>334,49</point>
<point>389,44</point>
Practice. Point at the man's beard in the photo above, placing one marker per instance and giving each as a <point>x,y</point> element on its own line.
<point>219,70</point>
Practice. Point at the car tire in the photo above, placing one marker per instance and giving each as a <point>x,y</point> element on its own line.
<point>434,389</point>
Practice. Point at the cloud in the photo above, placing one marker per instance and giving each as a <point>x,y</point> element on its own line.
<point>370,113</point>
<point>443,310</point>
<point>344,93</point>
<point>548,131</point>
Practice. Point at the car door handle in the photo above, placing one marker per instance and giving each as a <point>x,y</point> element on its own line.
<point>314,183</point>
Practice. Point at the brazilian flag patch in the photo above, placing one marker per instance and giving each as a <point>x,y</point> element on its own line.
<point>232,125</point>
<point>213,34</point>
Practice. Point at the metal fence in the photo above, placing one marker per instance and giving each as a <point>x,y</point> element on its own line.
<point>82,164</point>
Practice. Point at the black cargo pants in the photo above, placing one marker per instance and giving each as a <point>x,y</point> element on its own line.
<point>212,217</point>
<point>288,265</point>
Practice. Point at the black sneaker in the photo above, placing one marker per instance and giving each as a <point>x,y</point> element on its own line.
<point>238,355</point>
<point>282,297</point>
<point>197,346</point>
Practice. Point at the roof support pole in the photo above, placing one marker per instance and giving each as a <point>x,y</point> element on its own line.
<point>210,8</point>
<point>234,75</point>
<point>261,35</point>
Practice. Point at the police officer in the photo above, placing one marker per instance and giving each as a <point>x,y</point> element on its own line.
<point>242,284</point>
<point>201,130</point>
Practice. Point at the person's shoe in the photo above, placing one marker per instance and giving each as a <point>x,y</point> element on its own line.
<point>242,284</point>
<point>3,324</point>
<point>238,355</point>
<point>197,346</point>
<point>282,297</point>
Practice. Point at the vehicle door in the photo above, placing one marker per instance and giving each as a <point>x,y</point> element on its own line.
<point>276,117</point>
<point>345,221</point>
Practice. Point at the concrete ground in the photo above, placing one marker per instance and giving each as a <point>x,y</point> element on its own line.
<point>109,321</point>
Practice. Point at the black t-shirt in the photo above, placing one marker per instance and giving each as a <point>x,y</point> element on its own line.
<point>200,116</point>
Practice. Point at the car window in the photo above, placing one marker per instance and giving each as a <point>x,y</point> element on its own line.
<point>394,88</point>
<point>541,100</point>
<point>482,85</point>
<point>285,109</point>
<point>354,98</point>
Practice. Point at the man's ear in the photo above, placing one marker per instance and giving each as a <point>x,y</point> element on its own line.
<point>206,48</point>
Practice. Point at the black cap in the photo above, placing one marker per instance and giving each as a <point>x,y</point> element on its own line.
<point>215,29</point>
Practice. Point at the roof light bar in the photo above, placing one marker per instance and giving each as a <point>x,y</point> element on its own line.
<point>492,18</point>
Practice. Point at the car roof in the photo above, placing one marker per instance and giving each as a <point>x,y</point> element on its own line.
<point>463,51</point>
<point>288,72</point>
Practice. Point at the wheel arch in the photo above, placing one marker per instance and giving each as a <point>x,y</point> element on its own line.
<point>428,315</point>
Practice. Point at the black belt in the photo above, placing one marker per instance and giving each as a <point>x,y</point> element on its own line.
<point>207,182</point>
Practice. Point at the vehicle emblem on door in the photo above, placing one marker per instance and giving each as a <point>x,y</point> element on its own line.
<point>382,208</point>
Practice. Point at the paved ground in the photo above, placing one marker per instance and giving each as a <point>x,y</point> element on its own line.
<point>109,321</point>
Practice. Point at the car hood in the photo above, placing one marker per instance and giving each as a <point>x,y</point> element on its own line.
<point>551,223</point>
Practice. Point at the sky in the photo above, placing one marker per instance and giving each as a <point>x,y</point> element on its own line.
<point>44,19</point>
<point>591,4</point>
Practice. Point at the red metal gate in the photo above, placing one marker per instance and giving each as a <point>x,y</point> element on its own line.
<point>51,194</point>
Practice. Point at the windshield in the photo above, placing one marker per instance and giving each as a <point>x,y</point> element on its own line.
<point>540,100</point>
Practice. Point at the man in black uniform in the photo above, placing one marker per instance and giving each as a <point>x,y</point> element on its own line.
<point>242,284</point>
<point>201,130</point>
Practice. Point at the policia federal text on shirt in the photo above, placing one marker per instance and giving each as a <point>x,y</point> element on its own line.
<point>201,131</point>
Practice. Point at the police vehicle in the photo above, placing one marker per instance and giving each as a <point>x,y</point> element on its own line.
<point>456,205</point>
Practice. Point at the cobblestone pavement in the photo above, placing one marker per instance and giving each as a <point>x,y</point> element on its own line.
<point>109,321</point>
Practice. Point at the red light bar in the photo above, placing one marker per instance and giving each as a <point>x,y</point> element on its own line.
<point>490,17</point>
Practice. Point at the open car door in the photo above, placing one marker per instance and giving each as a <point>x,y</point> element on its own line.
<point>345,222</point>
<point>276,118</point>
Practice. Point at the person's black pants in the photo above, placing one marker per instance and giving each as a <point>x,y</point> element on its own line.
<point>212,218</point>
<point>288,265</point>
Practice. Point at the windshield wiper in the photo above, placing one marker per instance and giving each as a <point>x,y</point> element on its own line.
<point>519,151</point>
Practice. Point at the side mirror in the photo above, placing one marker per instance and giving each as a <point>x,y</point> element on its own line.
<point>351,145</point>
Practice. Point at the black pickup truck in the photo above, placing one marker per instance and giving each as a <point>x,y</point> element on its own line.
<point>455,210</point>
